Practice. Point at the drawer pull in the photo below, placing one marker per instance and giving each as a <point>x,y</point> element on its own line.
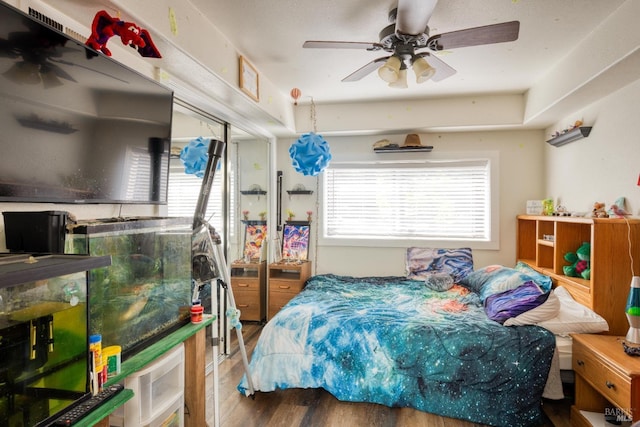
<point>580,362</point>
<point>243,285</point>
<point>284,287</point>
<point>243,305</point>
<point>610,385</point>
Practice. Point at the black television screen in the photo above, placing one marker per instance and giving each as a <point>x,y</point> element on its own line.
<point>77,126</point>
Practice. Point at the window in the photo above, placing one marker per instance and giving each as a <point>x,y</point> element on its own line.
<point>184,190</point>
<point>189,123</point>
<point>388,203</point>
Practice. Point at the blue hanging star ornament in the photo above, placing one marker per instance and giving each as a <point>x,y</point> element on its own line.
<point>310,154</point>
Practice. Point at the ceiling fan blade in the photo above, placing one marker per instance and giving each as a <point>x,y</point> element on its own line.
<point>366,70</point>
<point>413,16</point>
<point>488,34</point>
<point>317,44</point>
<point>443,70</point>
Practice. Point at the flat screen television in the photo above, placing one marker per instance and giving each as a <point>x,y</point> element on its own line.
<point>77,126</point>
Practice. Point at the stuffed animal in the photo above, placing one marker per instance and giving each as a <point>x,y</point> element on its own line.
<point>599,211</point>
<point>105,26</point>
<point>580,262</point>
<point>619,208</point>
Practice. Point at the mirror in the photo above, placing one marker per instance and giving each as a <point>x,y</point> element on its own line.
<point>240,185</point>
<point>249,171</point>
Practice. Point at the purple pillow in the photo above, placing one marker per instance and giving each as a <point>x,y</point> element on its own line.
<point>513,302</point>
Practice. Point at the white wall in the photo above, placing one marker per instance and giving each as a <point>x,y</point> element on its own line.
<point>604,166</point>
<point>521,178</point>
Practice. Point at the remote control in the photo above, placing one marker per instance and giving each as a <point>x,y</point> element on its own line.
<point>74,414</point>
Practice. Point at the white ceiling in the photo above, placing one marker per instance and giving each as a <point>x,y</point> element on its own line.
<point>271,34</point>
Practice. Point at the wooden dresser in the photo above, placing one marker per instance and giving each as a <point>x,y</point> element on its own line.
<point>285,281</point>
<point>248,281</point>
<point>607,381</point>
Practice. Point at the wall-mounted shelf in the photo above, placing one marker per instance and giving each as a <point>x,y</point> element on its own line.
<point>395,149</point>
<point>292,222</point>
<point>254,221</point>
<point>299,192</point>
<point>253,192</point>
<point>570,136</point>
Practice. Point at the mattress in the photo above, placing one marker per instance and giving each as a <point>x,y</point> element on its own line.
<point>563,345</point>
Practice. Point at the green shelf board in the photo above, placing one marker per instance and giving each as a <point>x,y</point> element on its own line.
<point>105,409</point>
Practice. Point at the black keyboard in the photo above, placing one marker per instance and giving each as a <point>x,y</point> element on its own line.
<point>76,413</point>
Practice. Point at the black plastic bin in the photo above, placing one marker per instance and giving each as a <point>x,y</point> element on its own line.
<point>37,232</point>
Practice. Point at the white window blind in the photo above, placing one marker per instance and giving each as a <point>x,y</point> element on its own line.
<point>441,200</point>
<point>184,190</point>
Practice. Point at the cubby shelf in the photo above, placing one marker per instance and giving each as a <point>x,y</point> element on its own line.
<point>607,289</point>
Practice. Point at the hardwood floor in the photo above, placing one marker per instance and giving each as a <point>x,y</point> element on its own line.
<point>316,407</point>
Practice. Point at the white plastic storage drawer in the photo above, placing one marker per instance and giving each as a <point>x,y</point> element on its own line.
<point>158,391</point>
<point>173,416</point>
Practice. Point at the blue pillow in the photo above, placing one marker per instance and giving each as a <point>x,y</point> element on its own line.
<point>495,279</point>
<point>542,280</point>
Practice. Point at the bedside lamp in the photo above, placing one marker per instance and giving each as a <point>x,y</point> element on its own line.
<point>632,311</point>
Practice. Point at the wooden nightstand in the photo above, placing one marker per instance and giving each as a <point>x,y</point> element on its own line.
<point>285,281</point>
<point>248,281</point>
<point>607,380</point>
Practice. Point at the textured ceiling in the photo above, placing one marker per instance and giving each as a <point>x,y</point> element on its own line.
<point>271,34</point>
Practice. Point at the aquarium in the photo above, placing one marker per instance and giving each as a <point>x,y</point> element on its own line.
<point>146,292</point>
<point>43,336</point>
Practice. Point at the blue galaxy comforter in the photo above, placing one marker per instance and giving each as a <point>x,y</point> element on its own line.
<point>392,341</point>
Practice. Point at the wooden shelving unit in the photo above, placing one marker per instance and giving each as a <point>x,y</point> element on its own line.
<point>542,242</point>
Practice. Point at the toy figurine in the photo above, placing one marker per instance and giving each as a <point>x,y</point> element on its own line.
<point>104,27</point>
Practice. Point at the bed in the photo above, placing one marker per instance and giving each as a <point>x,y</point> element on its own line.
<point>415,341</point>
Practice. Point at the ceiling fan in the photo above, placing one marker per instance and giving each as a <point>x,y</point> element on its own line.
<point>408,41</point>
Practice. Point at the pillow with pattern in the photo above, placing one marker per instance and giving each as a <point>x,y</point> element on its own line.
<point>513,302</point>
<point>423,262</point>
<point>494,279</point>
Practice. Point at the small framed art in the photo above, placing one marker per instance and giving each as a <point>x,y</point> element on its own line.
<point>249,79</point>
<point>295,242</point>
<point>254,238</point>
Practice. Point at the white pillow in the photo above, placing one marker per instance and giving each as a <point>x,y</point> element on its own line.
<point>545,311</point>
<point>573,317</point>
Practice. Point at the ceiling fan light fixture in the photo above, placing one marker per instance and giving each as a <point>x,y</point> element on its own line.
<point>390,71</point>
<point>401,82</point>
<point>423,70</point>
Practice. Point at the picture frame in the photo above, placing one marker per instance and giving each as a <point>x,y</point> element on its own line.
<point>254,239</point>
<point>295,242</point>
<point>249,79</point>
